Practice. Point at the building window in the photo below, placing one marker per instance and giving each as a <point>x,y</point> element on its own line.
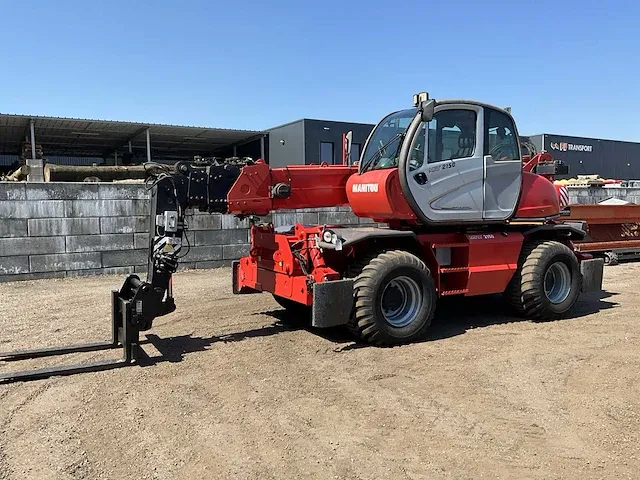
<point>355,153</point>
<point>326,152</point>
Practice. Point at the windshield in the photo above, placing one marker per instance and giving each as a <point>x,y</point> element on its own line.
<point>384,145</point>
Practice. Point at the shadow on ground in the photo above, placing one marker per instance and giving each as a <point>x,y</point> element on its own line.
<point>173,349</point>
<point>454,317</point>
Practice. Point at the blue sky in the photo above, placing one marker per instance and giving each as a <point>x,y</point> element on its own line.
<point>568,67</point>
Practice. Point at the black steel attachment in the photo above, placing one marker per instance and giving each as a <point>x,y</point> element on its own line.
<point>125,335</point>
<point>203,185</point>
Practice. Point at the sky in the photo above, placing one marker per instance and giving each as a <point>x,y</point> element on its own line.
<point>566,67</point>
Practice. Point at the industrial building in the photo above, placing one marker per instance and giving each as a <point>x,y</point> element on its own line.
<point>610,159</point>
<point>309,141</point>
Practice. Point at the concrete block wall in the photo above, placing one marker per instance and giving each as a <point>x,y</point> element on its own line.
<point>50,230</point>
<point>53,230</point>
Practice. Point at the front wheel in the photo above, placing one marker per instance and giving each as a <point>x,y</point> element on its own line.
<point>547,282</point>
<point>394,297</point>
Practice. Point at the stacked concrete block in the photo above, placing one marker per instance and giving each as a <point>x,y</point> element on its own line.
<point>52,230</point>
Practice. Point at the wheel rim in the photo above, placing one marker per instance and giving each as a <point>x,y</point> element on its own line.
<point>401,301</point>
<point>557,282</point>
<point>610,258</point>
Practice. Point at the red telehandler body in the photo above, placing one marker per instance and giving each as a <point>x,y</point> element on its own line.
<point>459,216</point>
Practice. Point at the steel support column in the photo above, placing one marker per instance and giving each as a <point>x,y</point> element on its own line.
<point>36,168</point>
<point>33,140</point>
<point>148,146</point>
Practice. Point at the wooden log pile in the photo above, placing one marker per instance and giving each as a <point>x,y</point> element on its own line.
<point>102,173</point>
<point>16,176</point>
<point>117,173</point>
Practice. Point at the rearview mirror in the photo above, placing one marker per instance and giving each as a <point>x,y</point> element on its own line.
<point>349,139</point>
<point>426,110</point>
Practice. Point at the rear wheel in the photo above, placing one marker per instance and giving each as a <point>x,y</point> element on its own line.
<point>296,313</point>
<point>547,282</point>
<point>394,297</point>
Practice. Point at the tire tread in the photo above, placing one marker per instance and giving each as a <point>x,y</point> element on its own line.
<point>366,270</point>
<point>523,293</point>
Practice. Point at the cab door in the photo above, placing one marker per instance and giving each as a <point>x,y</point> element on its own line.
<point>445,171</point>
<point>502,166</point>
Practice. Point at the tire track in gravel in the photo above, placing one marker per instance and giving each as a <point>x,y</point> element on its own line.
<point>6,472</point>
<point>77,466</point>
<point>35,393</point>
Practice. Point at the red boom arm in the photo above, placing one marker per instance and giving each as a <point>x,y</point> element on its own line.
<point>260,189</point>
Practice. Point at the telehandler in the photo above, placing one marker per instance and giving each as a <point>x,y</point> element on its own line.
<point>463,213</point>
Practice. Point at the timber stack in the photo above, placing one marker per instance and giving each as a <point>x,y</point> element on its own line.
<point>98,173</point>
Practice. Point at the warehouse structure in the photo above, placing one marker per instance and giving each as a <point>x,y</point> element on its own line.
<point>74,141</point>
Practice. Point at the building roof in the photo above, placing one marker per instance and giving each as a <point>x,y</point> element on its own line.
<point>100,138</point>
<point>318,120</point>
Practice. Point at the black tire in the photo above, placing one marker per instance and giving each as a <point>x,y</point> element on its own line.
<point>296,313</point>
<point>540,288</point>
<point>383,275</point>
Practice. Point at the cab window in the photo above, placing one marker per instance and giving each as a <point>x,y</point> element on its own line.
<point>500,139</point>
<point>452,135</point>
<point>383,147</point>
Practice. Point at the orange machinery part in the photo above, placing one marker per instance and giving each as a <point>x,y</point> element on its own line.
<point>375,194</point>
<point>609,227</point>
<point>605,214</point>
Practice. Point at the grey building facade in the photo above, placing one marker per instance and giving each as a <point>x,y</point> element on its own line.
<point>611,159</point>
<point>308,141</point>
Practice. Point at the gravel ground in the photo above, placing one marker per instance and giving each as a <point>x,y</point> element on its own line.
<point>229,391</point>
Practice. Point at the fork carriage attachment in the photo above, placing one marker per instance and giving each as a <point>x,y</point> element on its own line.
<point>133,309</point>
<point>126,325</point>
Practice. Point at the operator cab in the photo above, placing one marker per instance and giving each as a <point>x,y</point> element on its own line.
<point>461,163</point>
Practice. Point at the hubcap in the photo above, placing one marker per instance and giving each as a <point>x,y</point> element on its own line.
<point>401,301</point>
<point>557,282</point>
